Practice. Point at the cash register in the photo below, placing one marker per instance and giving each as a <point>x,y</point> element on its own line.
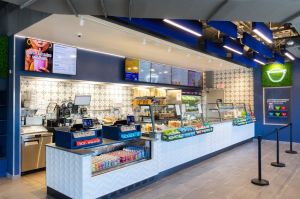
<point>79,135</point>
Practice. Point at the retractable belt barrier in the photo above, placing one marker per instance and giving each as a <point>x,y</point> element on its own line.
<point>260,181</point>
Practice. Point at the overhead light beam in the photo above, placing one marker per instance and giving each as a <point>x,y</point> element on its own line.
<point>177,25</point>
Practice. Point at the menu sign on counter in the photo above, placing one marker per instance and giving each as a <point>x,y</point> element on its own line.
<point>64,59</point>
<point>179,76</point>
<point>160,73</point>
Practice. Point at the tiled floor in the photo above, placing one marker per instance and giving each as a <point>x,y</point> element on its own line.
<point>30,186</point>
<point>226,176</point>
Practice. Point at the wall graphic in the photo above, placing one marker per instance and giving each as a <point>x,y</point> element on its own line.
<point>277,105</point>
<point>277,75</point>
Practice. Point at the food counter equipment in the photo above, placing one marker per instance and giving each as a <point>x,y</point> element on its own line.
<point>33,141</point>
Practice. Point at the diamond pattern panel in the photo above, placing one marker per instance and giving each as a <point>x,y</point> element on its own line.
<point>38,93</point>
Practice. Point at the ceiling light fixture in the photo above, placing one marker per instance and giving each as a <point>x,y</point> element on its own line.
<point>169,49</point>
<point>177,25</point>
<point>263,31</point>
<point>144,41</point>
<point>259,59</point>
<point>233,50</point>
<point>289,55</point>
<point>232,45</point>
<point>81,22</point>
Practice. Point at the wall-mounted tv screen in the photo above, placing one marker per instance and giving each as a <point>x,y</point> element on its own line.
<point>195,78</point>
<point>64,59</point>
<point>38,55</point>
<point>160,73</point>
<point>179,76</point>
<point>137,70</point>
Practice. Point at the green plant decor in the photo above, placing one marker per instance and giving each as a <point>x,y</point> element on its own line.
<point>3,56</point>
<point>277,75</point>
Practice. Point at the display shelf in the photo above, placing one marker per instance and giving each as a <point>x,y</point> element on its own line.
<point>117,167</point>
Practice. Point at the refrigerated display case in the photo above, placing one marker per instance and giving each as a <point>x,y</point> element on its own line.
<point>112,155</point>
<point>155,118</point>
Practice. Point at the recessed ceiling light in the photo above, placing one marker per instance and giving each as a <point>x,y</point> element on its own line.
<point>81,21</point>
<point>169,49</point>
<point>144,41</point>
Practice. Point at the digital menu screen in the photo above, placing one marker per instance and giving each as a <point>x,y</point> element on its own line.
<point>64,59</point>
<point>179,76</point>
<point>137,70</point>
<point>38,55</point>
<point>144,71</point>
<point>160,73</point>
<point>194,78</point>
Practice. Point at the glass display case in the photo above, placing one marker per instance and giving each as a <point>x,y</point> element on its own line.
<point>242,115</point>
<point>155,118</point>
<point>239,113</point>
<point>112,155</point>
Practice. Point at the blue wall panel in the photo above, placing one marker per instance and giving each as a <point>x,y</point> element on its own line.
<point>260,128</point>
<point>164,30</point>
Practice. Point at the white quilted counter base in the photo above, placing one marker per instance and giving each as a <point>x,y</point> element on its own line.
<point>70,174</point>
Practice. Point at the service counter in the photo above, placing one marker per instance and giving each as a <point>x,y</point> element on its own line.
<point>69,172</point>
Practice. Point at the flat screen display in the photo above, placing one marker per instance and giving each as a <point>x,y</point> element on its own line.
<point>82,100</point>
<point>144,71</point>
<point>160,73</point>
<point>38,55</point>
<point>87,123</point>
<point>179,76</point>
<point>64,59</point>
<point>194,78</point>
<point>137,70</point>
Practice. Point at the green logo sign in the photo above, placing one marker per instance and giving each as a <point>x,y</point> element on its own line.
<point>277,75</point>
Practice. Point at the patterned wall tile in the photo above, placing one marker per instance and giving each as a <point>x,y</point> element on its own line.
<point>238,85</point>
<point>40,92</point>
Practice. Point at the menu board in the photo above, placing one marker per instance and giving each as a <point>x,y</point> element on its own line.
<point>160,73</point>
<point>179,76</point>
<point>137,70</point>
<point>194,78</point>
<point>64,59</point>
<point>144,71</point>
<point>38,55</point>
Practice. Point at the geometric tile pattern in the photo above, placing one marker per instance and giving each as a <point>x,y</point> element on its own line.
<point>238,85</point>
<point>40,92</point>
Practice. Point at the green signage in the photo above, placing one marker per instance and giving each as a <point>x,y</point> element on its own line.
<point>3,56</point>
<point>277,75</point>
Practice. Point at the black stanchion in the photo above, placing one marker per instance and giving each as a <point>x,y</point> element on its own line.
<point>291,151</point>
<point>277,163</point>
<point>259,181</point>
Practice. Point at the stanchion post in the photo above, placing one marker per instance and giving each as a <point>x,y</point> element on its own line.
<point>259,181</point>
<point>291,151</point>
<point>277,163</point>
